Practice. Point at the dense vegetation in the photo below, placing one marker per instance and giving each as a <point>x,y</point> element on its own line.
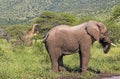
<point>16,11</point>
<point>34,62</point>
<point>114,24</point>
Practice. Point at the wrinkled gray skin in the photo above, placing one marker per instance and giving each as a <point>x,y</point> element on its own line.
<point>64,40</point>
<point>4,33</point>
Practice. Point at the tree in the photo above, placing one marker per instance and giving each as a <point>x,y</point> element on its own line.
<point>114,24</point>
<point>115,12</point>
<point>51,19</point>
<point>48,20</point>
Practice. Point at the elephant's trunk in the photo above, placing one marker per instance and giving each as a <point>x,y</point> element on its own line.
<point>107,47</point>
<point>106,43</point>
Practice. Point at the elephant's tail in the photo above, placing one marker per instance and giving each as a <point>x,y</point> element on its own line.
<point>45,38</point>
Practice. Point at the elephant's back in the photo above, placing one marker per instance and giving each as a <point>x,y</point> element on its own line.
<point>80,26</point>
<point>58,33</point>
<point>60,29</point>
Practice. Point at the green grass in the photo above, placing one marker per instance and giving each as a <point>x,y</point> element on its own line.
<point>34,62</point>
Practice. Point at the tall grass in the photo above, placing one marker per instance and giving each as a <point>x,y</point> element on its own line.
<point>34,63</point>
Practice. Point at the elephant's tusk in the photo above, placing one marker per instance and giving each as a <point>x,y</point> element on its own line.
<point>34,34</point>
<point>113,44</point>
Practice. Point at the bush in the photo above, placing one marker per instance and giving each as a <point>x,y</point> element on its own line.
<point>51,19</point>
<point>113,24</point>
<point>86,19</point>
<point>114,32</point>
<point>16,30</point>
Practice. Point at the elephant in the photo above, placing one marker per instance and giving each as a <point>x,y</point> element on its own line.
<point>64,40</point>
<point>27,37</point>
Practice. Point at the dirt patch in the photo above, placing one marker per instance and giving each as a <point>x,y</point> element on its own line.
<point>68,77</point>
<point>100,76</point>
<point>106,75</point>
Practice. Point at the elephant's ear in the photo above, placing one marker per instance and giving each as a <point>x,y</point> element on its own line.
<point>93,31</point>
<point>102,27</point>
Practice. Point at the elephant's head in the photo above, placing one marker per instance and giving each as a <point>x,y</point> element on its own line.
<point>98,32</point>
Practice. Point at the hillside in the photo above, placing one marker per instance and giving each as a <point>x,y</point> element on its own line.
<point>12,10</point>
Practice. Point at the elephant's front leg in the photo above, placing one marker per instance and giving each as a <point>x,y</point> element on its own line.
<point>84,57</point>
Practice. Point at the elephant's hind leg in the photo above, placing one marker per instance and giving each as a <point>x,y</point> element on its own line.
<point>55,54</point>
<point>60,62</point>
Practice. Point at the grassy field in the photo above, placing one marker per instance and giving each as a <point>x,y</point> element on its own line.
<point>33,62</point>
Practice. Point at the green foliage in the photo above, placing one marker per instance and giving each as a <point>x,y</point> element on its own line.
<point>109,61</point>
<point>86,19</point>
<point>50,19</point>
<point>113,24</point>
<point>68,19</point>
<point>115,12</point>
<point>16,30</point>
<point>34,62</point>
<point>114,32</point>
<point>19,11</point>
<point>8,21</point>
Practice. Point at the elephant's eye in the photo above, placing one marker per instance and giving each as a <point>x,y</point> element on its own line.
<point>106,34</point>
<point>103,35</point>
